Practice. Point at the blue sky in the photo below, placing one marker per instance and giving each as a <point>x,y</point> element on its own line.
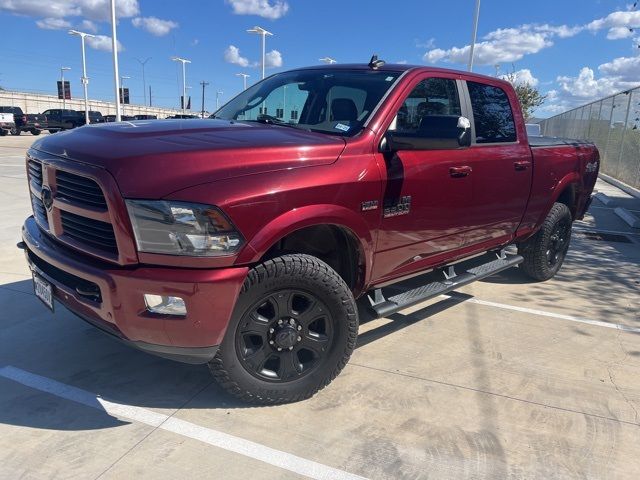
<point>575,51</point>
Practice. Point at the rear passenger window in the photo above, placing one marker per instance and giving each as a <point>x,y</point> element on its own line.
<point>492,114</point>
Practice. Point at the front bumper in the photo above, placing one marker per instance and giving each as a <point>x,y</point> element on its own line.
<point>111,298</point>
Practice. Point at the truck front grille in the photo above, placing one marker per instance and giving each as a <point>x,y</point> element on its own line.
<point>93,233</point>
<point>35,172</point>
<point>39,212</point>
<point>79,190</point>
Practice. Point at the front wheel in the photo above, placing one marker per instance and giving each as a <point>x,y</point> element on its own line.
<point>14,131</point>
<point>35,132</point>
<point>546,250</point>
<point>293,329</point>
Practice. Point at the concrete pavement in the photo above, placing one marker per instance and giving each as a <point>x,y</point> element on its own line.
<point>503,379</point>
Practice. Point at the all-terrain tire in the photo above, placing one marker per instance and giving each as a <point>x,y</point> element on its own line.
<point>15,131</point>
<point>544,253</point>
<point>35,132</point>
<point>312,280</point>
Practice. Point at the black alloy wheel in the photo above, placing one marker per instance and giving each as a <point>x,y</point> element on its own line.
<point>284,336</point>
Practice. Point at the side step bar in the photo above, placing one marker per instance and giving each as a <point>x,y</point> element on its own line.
<point>452,281</point>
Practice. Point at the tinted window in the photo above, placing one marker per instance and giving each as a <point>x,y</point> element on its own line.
<point>430,98</point>
<point>492,114</point>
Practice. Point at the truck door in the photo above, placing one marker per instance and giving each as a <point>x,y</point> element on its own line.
<point>426,192</point>
<point>501,163</point>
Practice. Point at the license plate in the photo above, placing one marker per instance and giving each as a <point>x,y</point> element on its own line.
<point>43,290</point>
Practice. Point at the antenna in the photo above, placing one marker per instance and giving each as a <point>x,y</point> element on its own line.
<point>374,63</point>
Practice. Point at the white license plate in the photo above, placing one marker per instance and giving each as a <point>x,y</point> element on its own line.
<point>43,290</point>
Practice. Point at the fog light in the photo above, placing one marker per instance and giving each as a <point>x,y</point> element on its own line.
<point>165,305</point>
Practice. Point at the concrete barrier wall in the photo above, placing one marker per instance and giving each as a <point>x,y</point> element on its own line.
<point>613,124</point>
<point>38,103</point>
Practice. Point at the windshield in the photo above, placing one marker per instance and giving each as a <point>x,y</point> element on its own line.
<point>330,101</point>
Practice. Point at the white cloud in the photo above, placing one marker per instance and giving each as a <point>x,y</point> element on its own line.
<point>263,8</point>
<point>232,55</point>
<point>617,24</point>
<point>273,59</point>
<point>88,26</point>
<point>195,42</point>
<point>505,44</point>
<point>153,25</point>
<point>522,77</point>
<point>625,68</point>
<point>39,8</point>
<point>102,42</point>
<point>53,24</point>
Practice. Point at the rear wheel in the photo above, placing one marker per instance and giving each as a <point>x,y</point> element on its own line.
<point>293,330</point>
<point>545,251</point>
<point>35,132</point>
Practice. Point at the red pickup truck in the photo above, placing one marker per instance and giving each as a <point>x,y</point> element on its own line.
<point>243,240</point>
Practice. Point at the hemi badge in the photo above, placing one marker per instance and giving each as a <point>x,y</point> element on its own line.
<point>369,205</point>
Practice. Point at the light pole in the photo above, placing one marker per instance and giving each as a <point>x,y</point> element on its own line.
<point>328,60</point>
<point>218,93</point>
<point>114,47</point>
<point>85,80</point>
<point>144,83</point>
<point>122,79</point>
<point>474,35</point>
<point>204,84</point>
<point>64,97</point>
<point>263,33</point>
<point>184,81</point>
<point>244,79</point>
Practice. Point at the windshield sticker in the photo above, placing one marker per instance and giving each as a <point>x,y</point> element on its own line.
<point>342,127</point>
<point>388,79</point>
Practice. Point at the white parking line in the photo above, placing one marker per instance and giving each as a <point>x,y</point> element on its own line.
<point>212,437</point>
<point>542,313</point>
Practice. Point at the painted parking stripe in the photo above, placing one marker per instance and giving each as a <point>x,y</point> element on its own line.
<point>212,437</point>
<point>543,313</point>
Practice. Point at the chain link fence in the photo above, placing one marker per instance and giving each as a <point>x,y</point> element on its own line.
<point>613,124</point>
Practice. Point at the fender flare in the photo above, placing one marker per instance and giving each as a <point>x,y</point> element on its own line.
<point>567,181</point>
<point>307,216</point>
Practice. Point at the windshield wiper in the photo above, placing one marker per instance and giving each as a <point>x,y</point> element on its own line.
<point>270,119</point>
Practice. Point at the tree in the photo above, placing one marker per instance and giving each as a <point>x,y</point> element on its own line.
<point>528,95</point>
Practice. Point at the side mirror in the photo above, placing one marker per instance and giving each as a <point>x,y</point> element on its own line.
<point>436,132</point>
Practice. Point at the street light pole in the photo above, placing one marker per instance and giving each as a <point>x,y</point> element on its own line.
<point>218,93</point>
<point>114,46</point>
<point>244,79</point>
<point>262,32</point>
<point>64,97</point>
<point>474,35</point>
<point>184,81</point>
<point>144,82</point>
<point>204,84</point>
<point>85,79</point>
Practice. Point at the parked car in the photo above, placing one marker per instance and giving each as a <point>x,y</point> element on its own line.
<point>146,117</point>
<point>94,116</point>
<point>7,123</point>
<point>243,241</point>
<point>182,116</point>
<point>109,118</point>
<point>23,122</point>
<point>59,119</point>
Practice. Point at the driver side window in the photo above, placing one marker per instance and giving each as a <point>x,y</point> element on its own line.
<point>430,99</point>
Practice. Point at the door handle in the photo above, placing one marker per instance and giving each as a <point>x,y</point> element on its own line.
<point>459,172</point>
<point>522,165</point>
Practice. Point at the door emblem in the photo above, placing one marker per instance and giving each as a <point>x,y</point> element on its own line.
<point>403,207</point>
<point>369,205</point>
<point>47,198</point>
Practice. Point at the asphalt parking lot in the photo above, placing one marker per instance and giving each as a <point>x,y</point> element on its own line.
<point>503,379</point>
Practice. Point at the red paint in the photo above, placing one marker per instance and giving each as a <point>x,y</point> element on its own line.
<point>272,180</point>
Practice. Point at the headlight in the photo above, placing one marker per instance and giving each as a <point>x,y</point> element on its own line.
<point>182,228</point>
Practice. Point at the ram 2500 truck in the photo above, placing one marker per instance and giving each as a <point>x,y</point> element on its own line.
<point>243,240</point>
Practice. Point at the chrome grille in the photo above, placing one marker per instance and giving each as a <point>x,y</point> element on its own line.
<point>35,172</point>
<point>39,212</point>
<point>92,233</point>
<point>79,190</point>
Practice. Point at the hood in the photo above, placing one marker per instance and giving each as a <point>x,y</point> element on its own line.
<point>153,158</point>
